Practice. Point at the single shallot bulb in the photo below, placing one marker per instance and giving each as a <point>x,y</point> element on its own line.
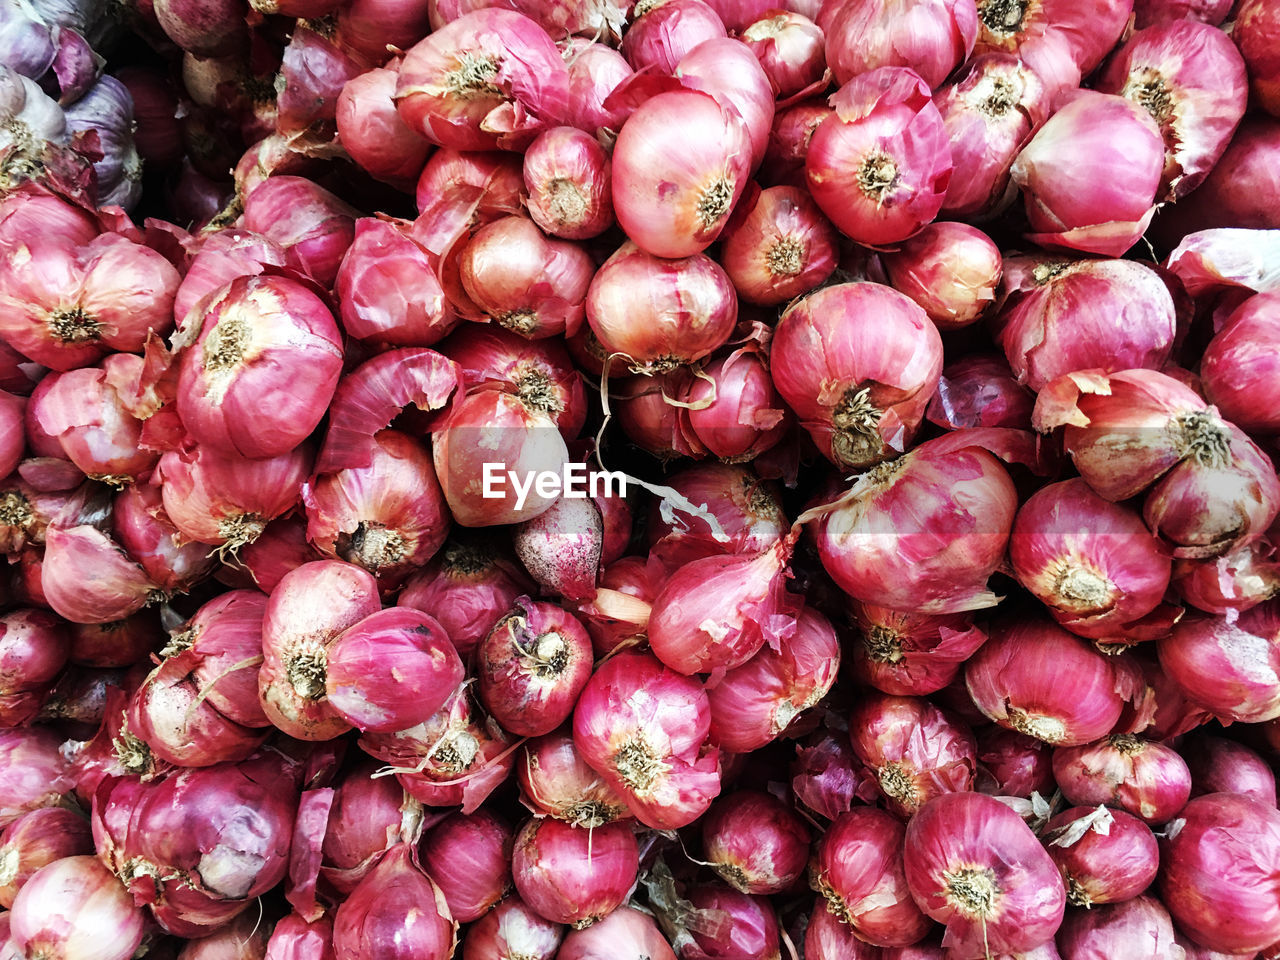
<point>75,907</point>
<point>511,929</point>
<point>1227,665</point>
<point>571,874</point>
<point>932,37</point>
<point>367,817</point>
<point>1105,856</point>
<point>790,47</point>
<point>533,664</point>
<point>755,842</point>
<point>1144,777</point>
<point>314,226</point>
<point>951,270</point>
<point>880,166</point>
<point>34,647</point>
<point>397,912</point>
<point>660,34</point>
<point>561,548</point>
<point>734,408</point>
<point>469,858</point>
<point>1219,765</point>
<point>35,840</point>
<point>570,190</point>
<point>740,514</point>
<point>626,934</point>
<point>781,248</point>
<point>1255,29</point>
<point>911,654</point>
<point>595,70</point>
<point>1011,764</point>
<point>1234,368</point>
<point>1139,928</point>
<point>556,781</point>
<point>372,131</point>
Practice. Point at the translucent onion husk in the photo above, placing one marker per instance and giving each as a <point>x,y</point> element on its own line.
<point>397,911</point>
<point>555,781</point>
<point>469,858</point>
<point>857,362</point>
<point>723,923</point>
<point>1234,368</point>
<point>373,132</point>
<point>35,840</point>
<point>1219,765</point>
<point>1011,764</point>
<point>911,654</point>
<point>932,37</point>
<point>512,929</point>
<point>755,842</point>
<point>1145,778</point>
<point>641,404</point>
<point>973,865</point>
<point>1218,870</point>
<point>282,547</point>
<point>574,875</point>
<point>368,816</point>
<point>624,598</point>
<point>980,390</point>
<point>598,19</point>
<point>566,172</point>
<point>1105,856</point>
<point>663,33</point>
<point>779,248</point>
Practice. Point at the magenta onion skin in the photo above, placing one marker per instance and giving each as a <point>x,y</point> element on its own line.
<point>563,546</point>
<point>397,912</point>
<point>1255,30</point>
<point>626,934</point>
<point>511,929</point>
<point>729,71</point>
<point>790,47</point>
<point>1146,778</point>
<point>1218,872</point>
<point>1108,856</point>
<point>755,842</point>
<point>736,413</point>
<point>469,858</point>
<point>911,654</point>
<point>950,269</point>
<point>35,840</point>
<point>314,227</point>
<point>1219,765</point>
<point>571,874</point>
<point>933,37</point>
<point>1011,764</point>
<point>1234,367</point>
<point>367,817</point>
<point>746,509</point>
<point>1140,928</point>
<point>1240,658</point>
<point>556,782</point>
<point>37,773</point>
<point>75,907</point>
<point>752,925</point>
<point>34,647</point>
<point>969,859</point>
<point>828,938</point>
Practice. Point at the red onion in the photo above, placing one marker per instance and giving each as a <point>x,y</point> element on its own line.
<point>932,37</point>
<point>1228,666</point>
<point>157,136</point>
<point>680,164</point>
<point>1255,30</point>
<point>34,646</point>
<point>660,313</point>
<point>595,71</point>
<point>511,929</point>
<point>25,513</point>
<point>491,78</point>
<point>740,514</point>
<point>1036,678</point>
<point>567,175</point>
<point>310,607</point>
<point>913,749</point>
<point>1107,142</point>
<point>389,517</point>
<point>1233,193</point>
<point>1105,856</point>
<point>1190,77</point>
<point>828,938</point>
<point>908,654</point>
<point>469,858</point>
<point>223,257</point>
<point>391,670</point>
<point>1218,872</point>
<point>37,774</point>
<point>147,534</point>
<point>972,864</point>
<point>1234,369</point>
<point>65,305</point>
<point>117,643</point>
<point>661,33</point>
<point>226,500</point>
<point>644,729</point>
<point>1148,12</point>
<point>755,703</point>
<point>989,114</point>
<point>368,816</point>
<point>755,842</point>
<point>1146,778</point>
<point>626,934</point>
<point>857,362</point>
<point>1222,261</point>
<point>789,142</point>
<point>262,371</point>
<point>734,409</point>
<point>397,912</point>
<point>555,781</point>
<point>85,410</point>
<point>1054,36</point>
<point>534,663</point>
<point>728,70</point>
<point>387,290</point>
<point>313,73</point>
<point>1219,765</point>
<point>571,874</point>
<point>297,939</point>
<point>282,547</point>
<point>791,48</point>
<point>1058,317</point>
<point>1011,764</point>
<point>470,588</point>
<point>716,922</point>
<point>650,420</point>
<point>950,269</point>
<point>602,19</point>
<point>35,840</point>
<point>879,167</point>
<point>313,226</point>
<point>29,211</point>
<point>780,248</point>
<point>373,132</point>
<point>525,282</point>
<point>75,907</point>
<point>1138,928</point>
<point>561,547</point>
<point>458,185</point>
<point>929,528</point>
<point>371,26</point>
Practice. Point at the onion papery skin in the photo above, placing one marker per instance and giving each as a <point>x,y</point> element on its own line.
<point>626,934</point>
<point>1114,859</point>
<point>490,79</point>
<point>880,166</point>
<point>989,114</point>
<point>34,647</point>
<point>911,654</point>
<point>1061,41</point>
<point>973,865</point>
<point>555,781</point>
<point>1093,563</point>
<point>147,534</point>
<point>1058,317</point>
<point>755,703</point>
<point>951,270</point>
<point>595,71</point>
<point>1219,765</point>
<point>1145,778</point>
<point>258,379</point>
<point>389,517</point>
<point>512,929</point>
<point>390,671</point>
<point>74,907</point>
<point>932,37</point>
<point>227,501</point>
<point>469,858</point>
<point>791,48</point>
<point>728,70</point>
<point>1191,79</point>
<point>314,70</point>
<point>779,249</point>
<point>368,816</point>
<point>97,431</point>
<point>1140,928</point>
<point>661,36</point>
<point>789,139</point>
<point>570,191</point>
<point>35,840</point>
<point>1106,145</point>
<point>924,532</point>
<point>827,938</point>
<point>373,132</point>
<point>1011,764</point>
<point>307,610</point>
<point>738,415</point>
<point>571,874</point>
<point>912,749</point>
<point>1234,368</point>
<point>680,164</point>
<point>857,362</point>
<point>1255,31</point>
<point>1230,667</point>
<point>224,256</point>
<point>38,774</point>
<point>314,227</point>
<point>397,912</point>
<point>644,728</point>
<point>857,865</point>
<point>1036,678</point>
<point>747,510</point>
<point>660,313</point>
<point>387,289</point>
<point>1218,873</point>
<point>755,842</point>
<point>469,586</point>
